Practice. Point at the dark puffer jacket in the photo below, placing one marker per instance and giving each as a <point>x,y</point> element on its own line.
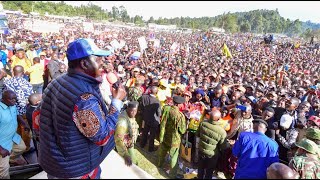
<point>212,138</point>
<point>65,152</point>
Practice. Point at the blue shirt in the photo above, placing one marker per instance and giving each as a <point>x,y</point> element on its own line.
<point>3,56</point>
<point>38,52</point>
<point>255,152</point>
<point>8,126</point>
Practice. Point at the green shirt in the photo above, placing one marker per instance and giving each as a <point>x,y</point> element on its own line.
<point>126,133</point>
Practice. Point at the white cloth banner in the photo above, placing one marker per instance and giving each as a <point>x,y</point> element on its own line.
<point>42,26</point>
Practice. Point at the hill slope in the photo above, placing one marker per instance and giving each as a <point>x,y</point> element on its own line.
<point>256,21</point>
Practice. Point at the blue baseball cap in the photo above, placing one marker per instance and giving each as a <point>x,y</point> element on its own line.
<point>81,48</point>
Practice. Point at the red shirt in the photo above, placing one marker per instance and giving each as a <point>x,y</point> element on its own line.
<point>184,107</point>
<point>46,62</point>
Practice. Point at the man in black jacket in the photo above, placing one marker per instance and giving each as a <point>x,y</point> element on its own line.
<point>151,111</point>
<point>53,67</point>
<point>290,109</point>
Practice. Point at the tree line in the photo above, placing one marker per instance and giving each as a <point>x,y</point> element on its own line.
<point>256,21</point>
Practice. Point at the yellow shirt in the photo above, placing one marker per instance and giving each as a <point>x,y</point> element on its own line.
<point>25,63</point>
<point>36,72</point>
<point>225,124</point>
<point>181,86</point>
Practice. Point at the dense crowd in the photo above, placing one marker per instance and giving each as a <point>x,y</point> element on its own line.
<point>230,98</point>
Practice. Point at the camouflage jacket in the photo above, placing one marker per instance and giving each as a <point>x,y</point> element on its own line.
<point>172,126</point>
<point>306,167</point>
<point>126,133</point>
<point>290,139</point>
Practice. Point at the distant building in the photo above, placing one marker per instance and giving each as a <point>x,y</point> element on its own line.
<point>34,14</point>
<point>218,30</point>
<point>154,26</point>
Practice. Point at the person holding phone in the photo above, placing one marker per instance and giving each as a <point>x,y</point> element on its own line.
<point>242,121</point>
<point>76,129</point>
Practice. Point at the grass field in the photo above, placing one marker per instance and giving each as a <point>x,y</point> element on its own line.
<point>148,162</point>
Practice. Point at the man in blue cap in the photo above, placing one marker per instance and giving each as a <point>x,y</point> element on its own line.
<point>76,130</point>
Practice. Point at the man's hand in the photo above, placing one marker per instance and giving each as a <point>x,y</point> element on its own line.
<point>127,160</point>
<point>231,142</point>
<point>119,93</point>
<point>23,123</point>
<point>277,131</point>
<point>300,126</point>
<point>4,152</point>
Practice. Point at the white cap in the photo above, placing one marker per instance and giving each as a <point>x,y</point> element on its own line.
<point>286,121</point>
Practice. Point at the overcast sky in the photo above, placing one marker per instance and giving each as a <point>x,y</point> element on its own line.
<point>302,10</point>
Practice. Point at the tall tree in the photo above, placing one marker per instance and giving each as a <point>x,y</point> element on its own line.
<point>151,20</point>
<point>124,14</point>
<point>115,13</point>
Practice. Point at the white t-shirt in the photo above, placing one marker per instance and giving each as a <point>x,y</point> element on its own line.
<point>1,66</point>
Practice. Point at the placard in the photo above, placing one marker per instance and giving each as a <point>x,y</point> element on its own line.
<point>143,43</point>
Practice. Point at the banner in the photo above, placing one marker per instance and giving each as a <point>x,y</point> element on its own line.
<point>152,35</point>
<point>135,56</point>
<point>88,27</point>
<point>122,44</point>
<point>42,26</point>
<point>115,44</point>
<point>143,43</point>
<point>156,43</point>
<point>174,47</point>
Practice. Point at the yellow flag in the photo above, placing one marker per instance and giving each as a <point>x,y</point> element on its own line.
<point>226,52</point>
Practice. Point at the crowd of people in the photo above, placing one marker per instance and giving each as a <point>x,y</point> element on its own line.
<point>252,106</point>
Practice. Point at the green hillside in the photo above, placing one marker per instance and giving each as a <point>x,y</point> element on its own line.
<point>256,21</point>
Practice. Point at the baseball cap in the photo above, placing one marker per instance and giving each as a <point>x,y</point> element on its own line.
<point>286,121</point>
<point>81,48</point>
<point>178,99</point>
